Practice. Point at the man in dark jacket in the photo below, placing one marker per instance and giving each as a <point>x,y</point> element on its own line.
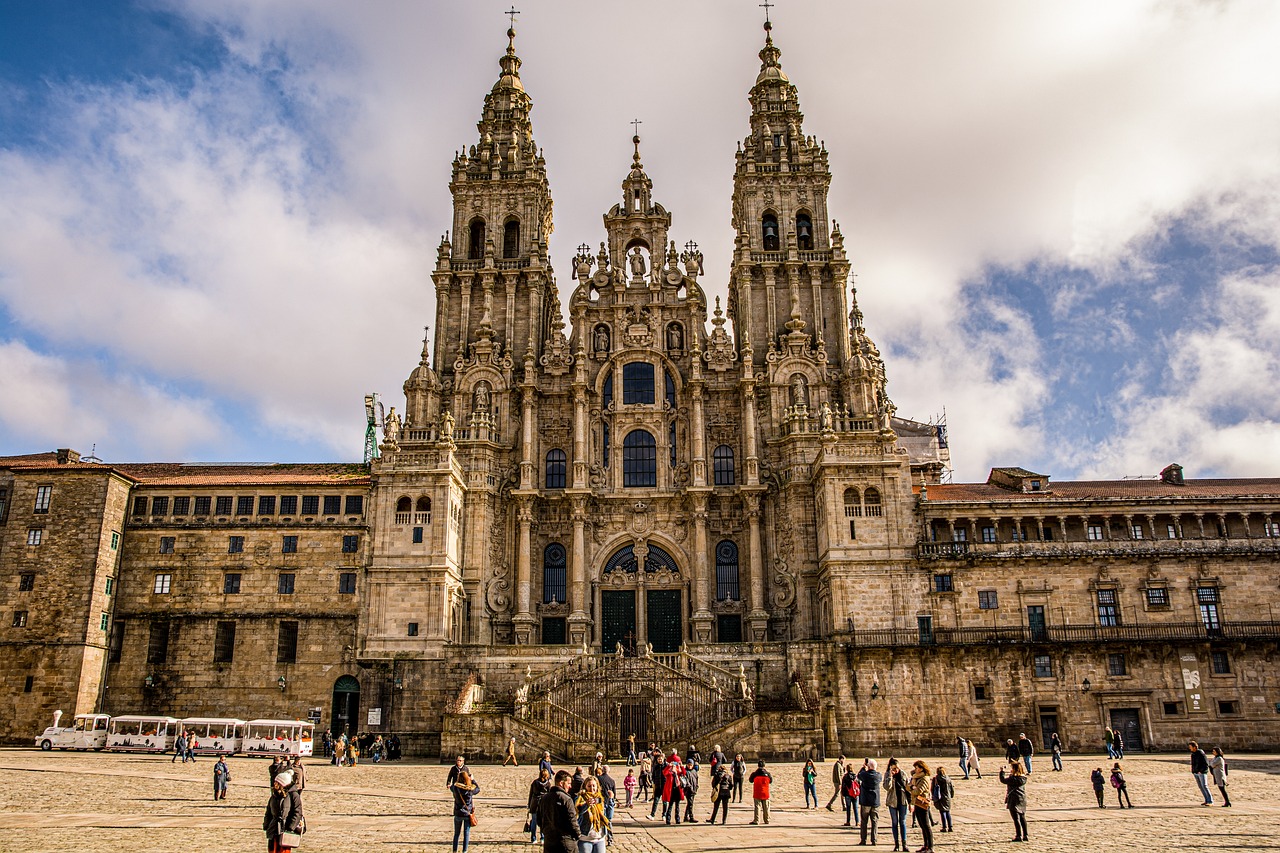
<point>609,790</point>
<point>723,784</point>
<point>1010,751</point>
<point>659,779</point>
<point>558,817</point>
<point>459,765</point>
<point>1025,751</point>
<point>1200,771</point>
<point>869,779</point>
<point>690,789</point>
<point>578,779</point>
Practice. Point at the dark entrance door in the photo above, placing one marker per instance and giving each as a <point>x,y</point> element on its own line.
<point>1048,725</point>
<point>618,620</point>
<point>1125,721</point>
<point>346,706</point>
<point>633,720</point>
<point>1035,622</point>
<point>665,625</point>
<point>728,628</point>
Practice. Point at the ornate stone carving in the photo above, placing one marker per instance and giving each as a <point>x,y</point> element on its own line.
<point>720,354</point>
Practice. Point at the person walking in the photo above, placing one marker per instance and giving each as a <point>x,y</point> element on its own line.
<point>964,755</point>
<point>593,823</point>
<point>545,764</point>
<point>629,785</point>
<point>1099,782</point>
<point>673,785</point>
<point>921,788</point>
<point>837,776</point>
<point>1055,746</point>
<point>511,754</point>
<point>722,796</point>
<point>849,790</point>
<point>1200,771</point>
<point>1011,751</point>
<point>975,764</point>
<point>943,793</point>
<point>537,788</point>
<point>869,780</point>
<point>898,799</point>
<point>283,822</point>
<point>631,750</point>
<point>642,777</point>
<point>809,777</point>
<point>464,809</point>
<point>608,790</point>
<point>690,789</point>
<point>1122,789</point>
<point>221,776</point>
<point>558,817</point>
<point>1015,798</point>
<point>1117,744</point>
<point>1218,766</point>
<point>299,775</point>
<point>760,781</point>
<point>659,779</point>
<point>739,773</point>
<point>1025,751</point>
<point>180,747</point>
<point>1109,739</point>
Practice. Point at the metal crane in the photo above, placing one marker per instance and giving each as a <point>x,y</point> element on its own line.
<point>374,418</point>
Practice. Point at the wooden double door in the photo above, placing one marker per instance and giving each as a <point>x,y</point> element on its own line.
<point>620,620</point>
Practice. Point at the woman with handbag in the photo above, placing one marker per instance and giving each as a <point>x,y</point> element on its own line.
<point>464,809</point>
<point>283,822</point>
<point>921,789</point>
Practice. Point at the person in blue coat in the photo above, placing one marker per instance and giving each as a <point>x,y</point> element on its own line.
<point>869,781</point>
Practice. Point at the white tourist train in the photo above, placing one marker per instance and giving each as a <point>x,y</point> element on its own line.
<point>209,735</point>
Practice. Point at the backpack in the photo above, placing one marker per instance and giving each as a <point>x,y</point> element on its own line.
<point>853,789</point>
<point>1116,780</point>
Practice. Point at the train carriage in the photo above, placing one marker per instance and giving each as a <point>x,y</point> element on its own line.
<point>215,735</point>
<point>279,737</point>
<point>142,734</point>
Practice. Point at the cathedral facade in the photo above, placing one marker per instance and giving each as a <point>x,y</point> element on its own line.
<point>649,514</point>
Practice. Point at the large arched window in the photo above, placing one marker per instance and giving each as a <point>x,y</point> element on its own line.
<point>804,230</point>
<point>556,464</point>
<point>624,560</point>
<point>404,505</point>
<point>871,500</point>
<point>722,465</point>
<point>637,383</point>
<point>511,239</point>
<point>422,511</point>
<point>553,574</point>
<point>769,230</point>
<point>727,571</point>
<point>639,459</point>
<point>475,239</point>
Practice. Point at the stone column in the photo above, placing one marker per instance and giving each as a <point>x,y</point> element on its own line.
<point>527,430</point>
<point>758,618</point>
<point>702,618</point>
<point>579,621</point>
<point>580,466</point>
<point>524,619</point>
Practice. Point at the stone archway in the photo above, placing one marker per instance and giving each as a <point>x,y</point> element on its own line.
<point>346,707</point>
<point>642,598</point>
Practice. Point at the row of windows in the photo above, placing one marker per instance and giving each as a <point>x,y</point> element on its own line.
<point>224,642</point>
<point>288,544</point>
<point>640,462</point>
<point>1092,532</point>
<point>231,583</point>
<point>1207,600</point>
<point>476,238</point>
<point>554,563</point>
<point>184,505</point>
<point>771,236</point>
<point>1118,665</point>
<point>22,617</point>
<point>27,583</point>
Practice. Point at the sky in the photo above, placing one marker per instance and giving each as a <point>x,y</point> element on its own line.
<point>218,218</point>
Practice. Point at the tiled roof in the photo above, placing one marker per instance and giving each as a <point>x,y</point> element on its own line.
<point>1081,490</point>
<point>190,474</point>
<point>1016,472</point>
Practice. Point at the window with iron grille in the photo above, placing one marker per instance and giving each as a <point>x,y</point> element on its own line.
<point>289,545</point>
<point>182,505</point>
<point>139,506</point>
<point>1220,662</point>
<point>310,504</point>
<point>244,505</point>
<point>355,504</point>
<point>224,642</point>
<point>44,494</point>
<point>1108,609</point>
<point>557,463</point>
<point>222,506</point>
<point>266,505</point>
<point>1043,666</point>
<point>166,544</point>
<point>235,545</point>
<point>231,583</point>
<point>287,643</point>
<point>639,459</point>
<point>722,465</point>
<point>332,504</point>
<point>553,574</point>
<point>1157,596</point>
<point>1116,665</point>
<point>988,599</point>
<point>727,571</point>
<point>350,544</point>
<point>202,505</point>
<point>288,504</point>
<point>347,583</point>
<point>159,506</point>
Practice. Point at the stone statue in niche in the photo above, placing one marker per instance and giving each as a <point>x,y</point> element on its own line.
<point>799,391</point>
<point>602,339</point>
<point>675,337</point>
<point>638,266</point>
<point>481,397</point>
<point>391,427</point>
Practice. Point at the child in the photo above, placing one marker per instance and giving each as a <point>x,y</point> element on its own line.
<point>645,765</point>
<point>1099,783</point>
<point>629,783</point>
<point>1122,789</point>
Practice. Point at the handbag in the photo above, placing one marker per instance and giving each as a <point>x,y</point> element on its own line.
<point>290,839</point>
<point>471,818</point>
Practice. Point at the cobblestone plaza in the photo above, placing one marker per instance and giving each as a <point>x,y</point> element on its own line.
<point>106,802</point>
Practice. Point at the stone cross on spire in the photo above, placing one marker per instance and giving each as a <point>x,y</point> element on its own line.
<point>513,11</point>
<point>766,5</point>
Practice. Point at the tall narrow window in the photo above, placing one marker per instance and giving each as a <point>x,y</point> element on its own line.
<point>637,383</point>
<point>727,571</point>
<point>804,231</point>
<point>159,506</point>
<point>722,465</point>
<point>1108,609</point>
<point>511,239</point>
<point>604,440</point>
<point>670,389</point>
<point>639,459</point>
<point>158,643</point>
<point>769,230</point>
<point>553,574</point>
<point>557,462</point>
<point>287,643</point>
<point>671,441</point>
<point>1207,599</point>
<point>44,494</point>
<point>475,239</point>
<point>606,393</point>
<point>182,505</point>
<point>224,642</point>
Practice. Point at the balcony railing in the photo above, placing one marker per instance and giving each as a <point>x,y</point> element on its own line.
<point>1005,550</point>
<point>1058,634</point>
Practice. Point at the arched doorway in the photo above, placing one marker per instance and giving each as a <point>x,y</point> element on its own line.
<point>641,605</point>
<point>346,706</point>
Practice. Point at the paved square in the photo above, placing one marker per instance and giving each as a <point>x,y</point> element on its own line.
<point>106,802</point>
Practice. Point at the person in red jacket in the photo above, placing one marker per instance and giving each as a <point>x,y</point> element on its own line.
<point>760,780</point>
<point>673,788</point>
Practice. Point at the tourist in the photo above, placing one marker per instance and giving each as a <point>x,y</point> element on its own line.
<point>609,790</point>
<point>353,753</point>
<point>869,798</point>
<point>1011,753</point>
<point>921,789</point>
<point>1122,789</point>
<point>1015,798</point>
<point>1099,781</point>
<point>897,799</point>
<point>642,776</point>
<point>593,823</point>
<point>964,755</point>
<point>837,776</point>
<point>579,778</point>
<point>658,776</point>
<point>760,780</point>
<point>809,777</point>
<point>221,776</point>
<point>739,773</point>
<point>672,788</point>
<point>278,764</point>
<point>558,817</point>
<point>943,793</point>
<point>393,748</point>
<point>180,747</point>
<point>1218,766</point>
<point>1200,771</point>
<point>283,821</point>
<point>694,754</point>
<point>596,764</point>
<point>975,763</point>
<point>459,767</point>
<point>510,757</point>
<point>464,809</point>
<point>537,788</point>
<point>849,790</point>
<point>299,775</point>
<point>631,750</point>
<point>545,764</point>
<point>1025,751</point>
<point>629,785</point>
<point>1117,744</point>
<point>1109,738</point>
<point>722,795</point>
<point>690,789</point>
<point>1055,746</point>
<point>326,743</point>
<point>377,749</point>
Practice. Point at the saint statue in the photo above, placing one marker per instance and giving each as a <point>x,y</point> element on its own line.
<point>637,263</point>
<point>481,397</point>
<point>675,337</point>
<point>602,338</point>
<point>799,391</point>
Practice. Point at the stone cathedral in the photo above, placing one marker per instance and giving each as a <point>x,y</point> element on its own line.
<point>650,515</point>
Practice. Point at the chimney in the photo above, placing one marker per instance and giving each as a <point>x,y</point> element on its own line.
<point>66,455</point>
<point>1172,474</point>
